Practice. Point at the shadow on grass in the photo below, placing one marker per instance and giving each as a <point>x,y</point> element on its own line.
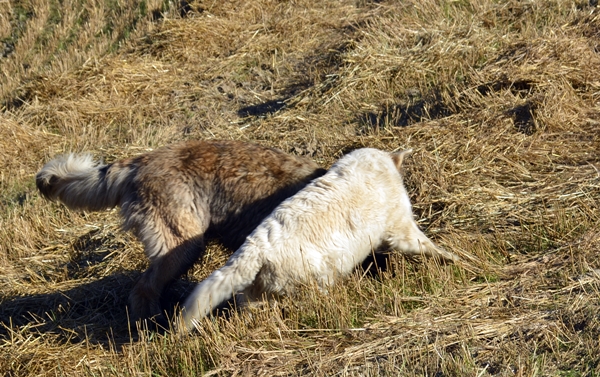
<point>95,311</point>
<point>262,109</point>
<point>415,110</point>
<point>326,60</point>
<point>420,107</point>
<point>375,265</point>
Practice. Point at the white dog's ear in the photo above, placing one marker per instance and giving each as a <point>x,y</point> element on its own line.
<point>398,157</point>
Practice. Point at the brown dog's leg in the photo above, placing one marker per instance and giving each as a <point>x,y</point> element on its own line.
<point>145,297</point>
<point>172,244</point>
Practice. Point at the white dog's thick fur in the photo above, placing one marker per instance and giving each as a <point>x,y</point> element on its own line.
<point>321,234</point>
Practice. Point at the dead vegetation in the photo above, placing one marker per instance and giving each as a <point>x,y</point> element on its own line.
<point>500,100</point>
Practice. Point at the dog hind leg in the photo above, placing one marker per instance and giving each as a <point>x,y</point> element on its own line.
<point>410,240</point>
<point>145,297</point>
<point>172,250</point>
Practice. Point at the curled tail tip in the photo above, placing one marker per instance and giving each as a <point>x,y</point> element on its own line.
<point>67,164</point>
<point>60,167</point>
<point>76,161</point>
<point>45,185</point>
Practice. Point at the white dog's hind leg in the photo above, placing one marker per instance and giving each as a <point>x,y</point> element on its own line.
<point>412,241</point>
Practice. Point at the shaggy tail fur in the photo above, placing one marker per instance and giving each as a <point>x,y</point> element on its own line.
<point>80,183</point>
<point>238,274</point>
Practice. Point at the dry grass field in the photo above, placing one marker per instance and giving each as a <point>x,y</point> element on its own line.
<point>499,99</point>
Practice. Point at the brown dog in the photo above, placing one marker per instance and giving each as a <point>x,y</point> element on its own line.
<point>174,198</point>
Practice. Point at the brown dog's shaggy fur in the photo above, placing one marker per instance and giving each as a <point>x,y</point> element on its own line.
<point>174,198</point>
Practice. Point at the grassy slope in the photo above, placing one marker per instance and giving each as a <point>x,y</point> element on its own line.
<point>500,100</point>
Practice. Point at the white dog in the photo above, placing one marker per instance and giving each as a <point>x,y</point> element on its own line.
<point>320,234</point>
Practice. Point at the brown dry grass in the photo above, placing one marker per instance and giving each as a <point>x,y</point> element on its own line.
<point>500,100</point>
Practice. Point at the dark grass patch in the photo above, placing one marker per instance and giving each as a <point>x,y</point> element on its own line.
<point>16,200</point>
<point>186,8</point>
<point>78,24</point>
<point>75,314</point>
<point>123,33</point>
<point>21,13</point>
<point>55,17</point>
<point>16,195</point>
<point>88,312</point>
<point>520,88</point>
<point>262,109</point>
<point>17,99</point>
<point>315,68</point>
<point>404,114</point>
<point>523,117</point>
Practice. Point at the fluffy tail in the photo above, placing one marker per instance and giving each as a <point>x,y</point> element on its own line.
<point>238,274</point>
<point>80,183</point>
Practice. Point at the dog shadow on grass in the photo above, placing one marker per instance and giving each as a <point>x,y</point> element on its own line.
<point>94,312</point>
<point>87,307</point>
<point>97,312</point>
